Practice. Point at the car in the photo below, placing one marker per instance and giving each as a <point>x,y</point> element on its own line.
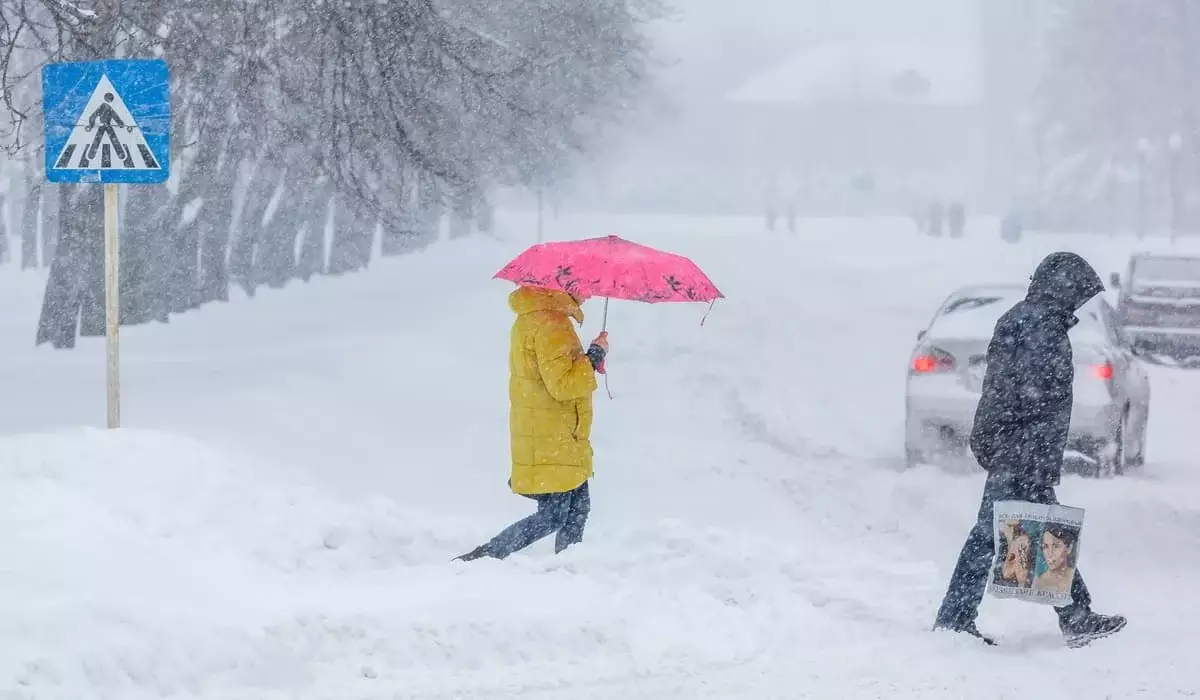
<point>945,377</point>
<point>1159,306</point>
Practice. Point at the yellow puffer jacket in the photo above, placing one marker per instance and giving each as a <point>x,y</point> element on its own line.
<point>550,390</point>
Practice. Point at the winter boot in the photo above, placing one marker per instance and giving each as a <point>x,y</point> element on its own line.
<point>1080,626</point>
<point>478,553</point>
<point>968,628</point>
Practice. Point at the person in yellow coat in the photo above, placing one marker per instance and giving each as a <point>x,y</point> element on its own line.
<point>550,386</point>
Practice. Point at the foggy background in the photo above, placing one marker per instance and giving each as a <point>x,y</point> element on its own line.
<point>358,128</point>
<point>762,95</point>
<point>1076,114</point>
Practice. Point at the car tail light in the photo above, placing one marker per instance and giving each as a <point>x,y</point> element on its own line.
<point>1103,371</point>
<point>932,361</point>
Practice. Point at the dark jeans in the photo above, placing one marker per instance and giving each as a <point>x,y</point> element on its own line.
<point>565,513</point>
<point>969,581</point>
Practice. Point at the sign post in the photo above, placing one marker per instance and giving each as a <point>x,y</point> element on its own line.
<point>108,122</point>
<point>112,303</point>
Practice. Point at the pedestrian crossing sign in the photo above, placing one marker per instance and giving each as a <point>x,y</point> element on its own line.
<point>107,121</point>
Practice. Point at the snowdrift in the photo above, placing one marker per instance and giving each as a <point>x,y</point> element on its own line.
<point>306,465</point>
<point>144,564</point>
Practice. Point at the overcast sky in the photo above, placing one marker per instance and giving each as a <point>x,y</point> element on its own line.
<point>861,19</point>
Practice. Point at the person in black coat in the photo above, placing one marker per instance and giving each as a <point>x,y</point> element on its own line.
<point>956,219</point>
<point>1020,434</point>
<point>935,219</point>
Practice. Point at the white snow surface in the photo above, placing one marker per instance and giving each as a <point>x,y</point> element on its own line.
<point>278,518</point>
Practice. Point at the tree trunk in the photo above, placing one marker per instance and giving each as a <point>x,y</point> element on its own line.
<point>141,266</point>
<point>460,220</point>
<point>402,236</point>
<point>276,262</point>
<point>51,204</point>
<point>416,226</point>
<point>179,248</point>
<point>464,203</point>
<point>245,245</point>
<point>353,239</point>
<point>30,216</point>
<point>485,215</point>
<point>91,266</point>
<point>215,228</point>
<point>312,246</point>
<point>429,209</point>
<point>74,272</point>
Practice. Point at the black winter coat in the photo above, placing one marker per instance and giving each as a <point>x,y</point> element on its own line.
<point>1024,412</point>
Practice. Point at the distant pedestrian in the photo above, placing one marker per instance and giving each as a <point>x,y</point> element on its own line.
<point>956,219</point>
<point>1012,226</point>
<point>935,220</point>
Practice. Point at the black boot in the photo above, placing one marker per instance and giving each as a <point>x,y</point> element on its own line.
<point>478,553</point>
<point>968,628</point>
<point>1080,626</point>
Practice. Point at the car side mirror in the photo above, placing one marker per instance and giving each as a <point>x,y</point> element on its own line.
<point>1114,280</point>
<point>920,335</point>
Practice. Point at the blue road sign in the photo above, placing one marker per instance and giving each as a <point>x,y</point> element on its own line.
<point>107,121</point>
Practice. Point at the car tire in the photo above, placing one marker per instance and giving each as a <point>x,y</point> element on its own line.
<point>913,455</point>
<point>1111,460</point>
<point>1138,459</point>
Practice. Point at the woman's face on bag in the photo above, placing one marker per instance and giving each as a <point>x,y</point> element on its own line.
<point>1055,551</point>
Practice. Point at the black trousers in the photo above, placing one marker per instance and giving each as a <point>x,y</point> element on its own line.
<point>563,513</point>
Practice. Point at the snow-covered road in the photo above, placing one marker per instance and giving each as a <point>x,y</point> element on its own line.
<point>297,471</point>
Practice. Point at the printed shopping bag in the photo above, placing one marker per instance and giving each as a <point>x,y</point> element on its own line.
<point>1037,550</point>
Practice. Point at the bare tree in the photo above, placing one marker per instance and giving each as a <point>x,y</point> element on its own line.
<point>377,112</point>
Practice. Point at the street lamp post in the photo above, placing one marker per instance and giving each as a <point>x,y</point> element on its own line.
<point>1175,143</point>
<point>1143,147</point>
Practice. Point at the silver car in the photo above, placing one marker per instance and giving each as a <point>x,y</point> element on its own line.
<point>945,376</point>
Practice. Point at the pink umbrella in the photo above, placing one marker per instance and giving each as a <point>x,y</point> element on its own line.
<point>613,268</point>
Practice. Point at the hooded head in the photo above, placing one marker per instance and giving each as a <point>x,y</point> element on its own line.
<point>527,300</point>
<point>1064,281</point>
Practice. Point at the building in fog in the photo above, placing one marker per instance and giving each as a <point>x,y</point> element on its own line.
<point>805,96</point>
<point>1012,39</point>
<point>861,127</point>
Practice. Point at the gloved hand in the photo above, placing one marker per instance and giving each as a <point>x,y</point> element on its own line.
<point>598,351</point>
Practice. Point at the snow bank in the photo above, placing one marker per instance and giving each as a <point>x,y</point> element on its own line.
<point>146,565</point>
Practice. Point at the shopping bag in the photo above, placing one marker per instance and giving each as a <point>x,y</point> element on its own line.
<point>1037,551</point>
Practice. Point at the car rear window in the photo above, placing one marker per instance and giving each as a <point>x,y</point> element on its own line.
<point>1177,269</point>
<point>1089,318</point>
<point>968,303</point>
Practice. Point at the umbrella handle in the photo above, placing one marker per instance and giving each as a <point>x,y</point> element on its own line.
<point>604,328</point>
